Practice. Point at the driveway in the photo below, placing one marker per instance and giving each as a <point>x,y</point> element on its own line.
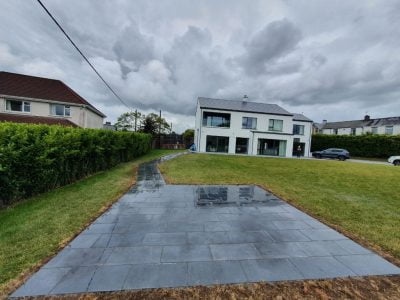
<point>160,235</point>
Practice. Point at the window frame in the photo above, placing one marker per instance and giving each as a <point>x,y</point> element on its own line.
<point>66,108</point>
<point>253,123</point>
<point>301,132</point>
<point>226,124</point>
<point>25,106</point>
<point>272,128</point>
<point>391,130</point>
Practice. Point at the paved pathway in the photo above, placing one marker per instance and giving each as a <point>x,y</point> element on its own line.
<point>160,235</point>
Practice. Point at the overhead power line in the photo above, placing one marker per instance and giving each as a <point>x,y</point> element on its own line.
<point>81,53</point>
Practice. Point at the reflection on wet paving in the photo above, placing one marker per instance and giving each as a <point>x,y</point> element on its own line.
<point>240,195</point>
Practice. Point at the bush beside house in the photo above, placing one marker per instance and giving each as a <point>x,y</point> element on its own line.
<point>367,145</point>
<point>38,158</point>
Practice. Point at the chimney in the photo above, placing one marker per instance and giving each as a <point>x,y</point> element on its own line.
<point>245,98</point>
<point>367,118</point>
<point>324,122</point>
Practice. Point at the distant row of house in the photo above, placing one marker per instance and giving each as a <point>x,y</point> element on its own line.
<point>357,127</point>
<point>223,126</point>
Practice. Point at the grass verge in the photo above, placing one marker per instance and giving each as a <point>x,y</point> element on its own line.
<point>34,230</point>
<point>360,200</point>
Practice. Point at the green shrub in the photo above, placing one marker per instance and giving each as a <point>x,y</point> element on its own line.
<point>367,145</point>
<point>38,158</point>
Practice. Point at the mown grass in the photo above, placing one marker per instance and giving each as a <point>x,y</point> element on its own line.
<point>35,229</point>
<point>362,200</point>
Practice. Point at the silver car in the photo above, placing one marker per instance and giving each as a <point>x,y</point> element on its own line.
<point>395,160</point>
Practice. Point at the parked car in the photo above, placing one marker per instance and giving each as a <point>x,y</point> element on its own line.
<point>395,160</point>
<point>340,154</point>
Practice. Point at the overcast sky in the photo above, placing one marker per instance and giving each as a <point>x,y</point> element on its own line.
<point>334,60</point>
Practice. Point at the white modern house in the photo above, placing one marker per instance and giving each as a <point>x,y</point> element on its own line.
<point>30,99</point>
<point>388,126</point>
<point>246,127</point>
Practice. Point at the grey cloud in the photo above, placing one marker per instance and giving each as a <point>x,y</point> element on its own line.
<point>133,48</point>
<point>276,39</point>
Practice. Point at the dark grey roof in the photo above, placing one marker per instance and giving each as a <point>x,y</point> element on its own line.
<point>363,123</point>
<point>247,106</point>
<point>301,117</point>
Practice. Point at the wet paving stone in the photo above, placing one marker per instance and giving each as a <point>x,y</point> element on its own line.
<point>160,235</point>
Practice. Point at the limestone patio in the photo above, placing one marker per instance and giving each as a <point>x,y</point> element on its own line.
<point>160,235</point>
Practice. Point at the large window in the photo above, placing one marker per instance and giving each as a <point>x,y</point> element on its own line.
<point>275,125</point>
<point>60,110</point>
<point>298,129</point>
<point>271,147</point>
<point>242,145</point>
<point>212,119</point>
<point>16,105</point>
<point>389,130</point>
<point>249,123</point>
<point>217,143</point>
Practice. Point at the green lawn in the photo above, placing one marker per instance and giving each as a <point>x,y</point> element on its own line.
<point>360,199</point>
<point>35,229</point>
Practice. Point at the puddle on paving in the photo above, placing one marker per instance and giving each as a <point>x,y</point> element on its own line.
<point>240,195</point>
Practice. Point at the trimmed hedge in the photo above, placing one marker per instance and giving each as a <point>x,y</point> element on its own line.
<point>38,158</point>
<point>367,145</point>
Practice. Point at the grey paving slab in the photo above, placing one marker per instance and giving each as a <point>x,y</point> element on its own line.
<point>126,239</point>
<point>75,281</point>
<point>370,264</point>
<point>165,238</point>
<point>270,270</point>
<point>156,235</point>
<point>206,238</point>
<point>186,253</point>
<point>234,251</point>
<point>321,267</point>
<point>156,275</point>
<point>215,272</point>
<point>135,255</point>
<point>109,278</point>
<point>280,250</point>
<point>71,257</point>
<point>323,234</point>
<point>288,236</point>
<point>42,282</point>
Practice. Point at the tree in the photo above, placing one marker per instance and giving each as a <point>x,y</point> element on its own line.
<point>188,136</point>
<point>154,124</point>
<point>129,121</point>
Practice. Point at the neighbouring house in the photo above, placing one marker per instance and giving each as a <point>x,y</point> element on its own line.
<point>30,99</point>
<point>357,127</point>
<point>109,126</point>
<point>246,127</point>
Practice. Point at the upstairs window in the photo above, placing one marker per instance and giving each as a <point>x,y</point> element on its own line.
<point>60,110</point>
<point>298,129</point>
<point>212,119</point>
<point>389,130</point>
<point>249,123</point>
<point>275,125</point>
<point>16,105</point>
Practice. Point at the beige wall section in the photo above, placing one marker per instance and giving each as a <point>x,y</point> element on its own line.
<point>93,120</point>
<point>81,116</point>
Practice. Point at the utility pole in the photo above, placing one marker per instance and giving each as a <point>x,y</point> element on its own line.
<point>135,119</point>
<point>159,131</point>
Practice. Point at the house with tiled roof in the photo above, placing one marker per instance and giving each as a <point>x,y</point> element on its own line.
<point>390,125</point>
<point>30,99</point>
<point>252,128</point>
